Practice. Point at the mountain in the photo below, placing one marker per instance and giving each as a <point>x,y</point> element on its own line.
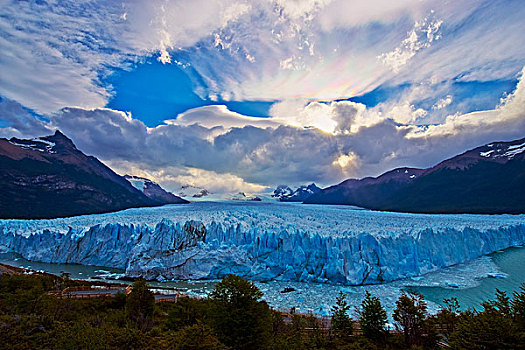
<point>153,190</point>
<point>241,196</point>
<point>193,191</point>
<point>286,194</point>
<point>282,191</point>
<point>49,177</point>
<point>489,179</point>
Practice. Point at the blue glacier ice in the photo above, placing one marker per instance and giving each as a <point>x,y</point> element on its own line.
<point>264,241</point>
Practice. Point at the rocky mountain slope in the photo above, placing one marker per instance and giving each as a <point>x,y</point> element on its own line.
<point>285,194</point>
<point>488,179</point>
<point>153,190</point>
<point>49,177</point>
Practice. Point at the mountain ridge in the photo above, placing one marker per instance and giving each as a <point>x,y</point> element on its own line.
<point>49,177</point>
<point>153,190</point>
<point>488,179</point>
<point>285,193</point>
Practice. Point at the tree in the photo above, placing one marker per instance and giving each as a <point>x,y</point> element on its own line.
<point>518,308</point>
<point>238,317</point>
<point>119,300</point>
<point>372,317</point>
<point>447,317</point>
<point>186,312</point>
<point>140,303</point>
<point>197,337</point>
<point>495,327</point>
<point>342,325</point>
<point>410,315</point>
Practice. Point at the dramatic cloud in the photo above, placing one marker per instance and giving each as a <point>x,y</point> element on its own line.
<point>57,53</point>
<point>359,87</point>
<point>219,116</point>
<point>249,158</point>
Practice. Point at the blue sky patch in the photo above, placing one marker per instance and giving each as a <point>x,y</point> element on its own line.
<point>153,92</point>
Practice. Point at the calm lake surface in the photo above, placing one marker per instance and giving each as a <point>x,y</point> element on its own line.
<point>511,262</point>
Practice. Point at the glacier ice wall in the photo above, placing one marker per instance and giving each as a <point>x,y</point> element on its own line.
<point>264,242</point>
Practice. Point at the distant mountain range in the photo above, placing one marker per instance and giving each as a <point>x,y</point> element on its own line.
<point>285,194</point>
<point>153,190</point>
<point>487,180</point>
<point>193,191</point>
<point>241,196</point>
<point>49,177</point>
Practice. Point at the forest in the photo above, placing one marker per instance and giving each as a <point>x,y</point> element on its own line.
<point>235,316</point>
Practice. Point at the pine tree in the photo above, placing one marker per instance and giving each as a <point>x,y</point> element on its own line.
<point>372,317</point>
<point>239,319</point>
<point>410,315</point>
<point>140,303</point>
<point>446,319</point>
<point>495,327</point>
<point>342,325</point>
<point>518,308</point>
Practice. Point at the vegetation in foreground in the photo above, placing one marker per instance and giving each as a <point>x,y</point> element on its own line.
<point>234,317</point>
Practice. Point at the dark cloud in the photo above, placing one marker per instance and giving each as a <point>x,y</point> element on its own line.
<point>274,155</point>
<point>19,121</point>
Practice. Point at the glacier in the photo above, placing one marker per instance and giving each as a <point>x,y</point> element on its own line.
<point>264,241</point>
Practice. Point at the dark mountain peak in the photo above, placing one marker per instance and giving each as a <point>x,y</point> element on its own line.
<point>153,190</point>
<point>401,175</point>
<point>313,187</point>
<point>498,152</point>
<point>486,179</point>
<point>282,190</point>
<point>57,144</point>
<point>285,194</point>
<point>62,141</point>
<point>49,177</point>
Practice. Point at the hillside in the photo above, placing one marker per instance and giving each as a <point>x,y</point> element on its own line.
<point>49,177</point>
<point>489,179</point>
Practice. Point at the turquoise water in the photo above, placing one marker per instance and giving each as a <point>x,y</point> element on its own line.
<point>76,271</point>
<point>511,261</point>
<point>310,296</point>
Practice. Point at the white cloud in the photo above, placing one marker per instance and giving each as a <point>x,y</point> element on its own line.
<point>246,156</point>
<point>221,118</point>
<point>173,178</point>
<point>47,62</point>
<point>420,37</point>
<point>55,53</point>
<point>20,122</point>
<point>343,13</point>
<point>332,117</point>
<point>510,114</point>
<point>442,103</point>
<point>301,8</point>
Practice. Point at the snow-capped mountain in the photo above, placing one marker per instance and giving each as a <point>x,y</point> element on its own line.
<point>285,194</point>
<point>486,179</point>
<point>40,144</point>
<point>282,191</point>
<point>153,190</point>
<point>241,196</point>
<point>49,177</point>
<point>193,192</point>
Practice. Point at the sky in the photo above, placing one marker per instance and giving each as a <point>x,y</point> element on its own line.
<point>246,95</point>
